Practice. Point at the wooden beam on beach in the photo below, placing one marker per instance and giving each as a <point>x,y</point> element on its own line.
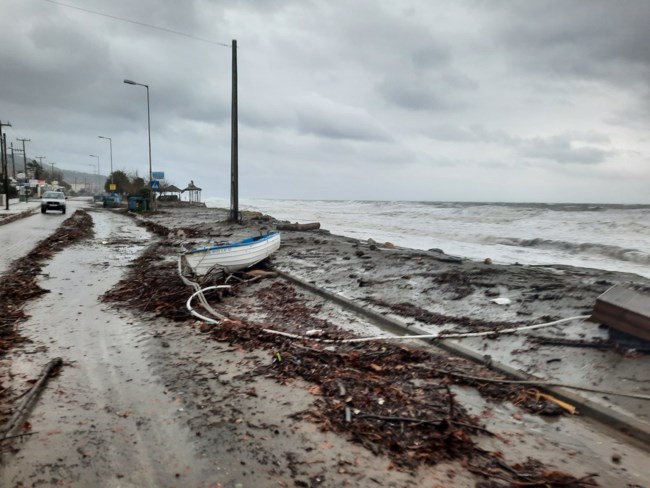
<point>297,226</point>
<point>234,141</point>
<point>624,310</point>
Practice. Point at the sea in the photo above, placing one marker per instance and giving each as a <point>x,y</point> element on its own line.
<point>609,237</point>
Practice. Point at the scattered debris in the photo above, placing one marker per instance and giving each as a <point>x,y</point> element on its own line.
<point>391,399</point>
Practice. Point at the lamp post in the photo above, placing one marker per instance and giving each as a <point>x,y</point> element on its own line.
<point>98,177</point>
<point>110,143</point>
<point>131,82</point>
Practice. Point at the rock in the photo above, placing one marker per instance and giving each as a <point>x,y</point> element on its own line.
<point>389,245</point>
<point>358,252</point>
<point>487,261</point>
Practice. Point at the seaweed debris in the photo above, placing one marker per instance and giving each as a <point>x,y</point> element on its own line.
<point>392,399</point>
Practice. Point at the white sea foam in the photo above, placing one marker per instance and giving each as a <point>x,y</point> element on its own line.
<point>611,237</point>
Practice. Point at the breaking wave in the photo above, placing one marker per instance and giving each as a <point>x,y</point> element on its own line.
<point>612,252</point>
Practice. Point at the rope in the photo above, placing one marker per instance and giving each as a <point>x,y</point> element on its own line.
<point>198,291</point>
<point>439,335</point>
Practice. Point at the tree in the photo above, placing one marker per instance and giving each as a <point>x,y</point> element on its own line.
<point>122,182</point>
<point>138,184</point>
<point>35,169</point>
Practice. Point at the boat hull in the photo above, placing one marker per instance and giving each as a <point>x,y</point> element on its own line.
<point>232,257</point>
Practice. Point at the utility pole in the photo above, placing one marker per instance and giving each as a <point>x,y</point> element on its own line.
<point>5,170</point>
<point>24,153</point>
<point>18,150</point>
<point>13,161</point>
<point>234,142</point>
<point>3,159</point>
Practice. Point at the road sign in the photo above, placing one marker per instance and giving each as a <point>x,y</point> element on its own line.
<point>155,185</point>
<point>159,175</point>
<point>112,186</point>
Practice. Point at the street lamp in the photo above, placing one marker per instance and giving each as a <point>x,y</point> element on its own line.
<point>98,177</point>
<point>110,142</point>
<point>131,82</point>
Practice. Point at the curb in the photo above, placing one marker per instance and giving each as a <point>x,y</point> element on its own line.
<point>625,424</point>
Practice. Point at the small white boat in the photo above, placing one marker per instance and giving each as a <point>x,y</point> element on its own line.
<point>234,256</point>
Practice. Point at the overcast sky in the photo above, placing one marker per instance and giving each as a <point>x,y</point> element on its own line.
<point>470,100</point>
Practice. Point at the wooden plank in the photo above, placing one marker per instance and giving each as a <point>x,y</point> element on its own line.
<point>625,310</point>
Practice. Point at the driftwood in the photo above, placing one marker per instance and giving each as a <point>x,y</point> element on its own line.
<point>297,226</point>
<point>21,412</point>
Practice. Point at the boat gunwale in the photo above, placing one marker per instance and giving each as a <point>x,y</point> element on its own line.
<point>234,245</point>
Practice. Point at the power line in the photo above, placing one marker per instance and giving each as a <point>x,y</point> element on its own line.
<point>142,24</point>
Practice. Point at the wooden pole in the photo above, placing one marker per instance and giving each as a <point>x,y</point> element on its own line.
<point>18,418</point>
<point>5,170</point>
<point>234,141</point>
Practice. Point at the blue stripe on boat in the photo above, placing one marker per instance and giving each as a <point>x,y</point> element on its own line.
<point>246,242</point>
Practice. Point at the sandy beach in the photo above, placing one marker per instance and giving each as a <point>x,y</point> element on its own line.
<point>267,410</point>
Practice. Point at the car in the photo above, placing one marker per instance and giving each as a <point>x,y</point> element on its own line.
<point>53,200</point>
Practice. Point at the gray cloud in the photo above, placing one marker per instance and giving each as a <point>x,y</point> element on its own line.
<point>326,118</point>
<point>422,92</point>
<point>369,87</point>
<point>562,150</point>
<point>580,39</point>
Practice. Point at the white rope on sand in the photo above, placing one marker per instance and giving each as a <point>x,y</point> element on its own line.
<point>198,291</point>
<point>188,304</point>
<point>439,335</point>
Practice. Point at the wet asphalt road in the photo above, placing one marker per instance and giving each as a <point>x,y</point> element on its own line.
<point>19,237</point>
<point>105,421</point>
